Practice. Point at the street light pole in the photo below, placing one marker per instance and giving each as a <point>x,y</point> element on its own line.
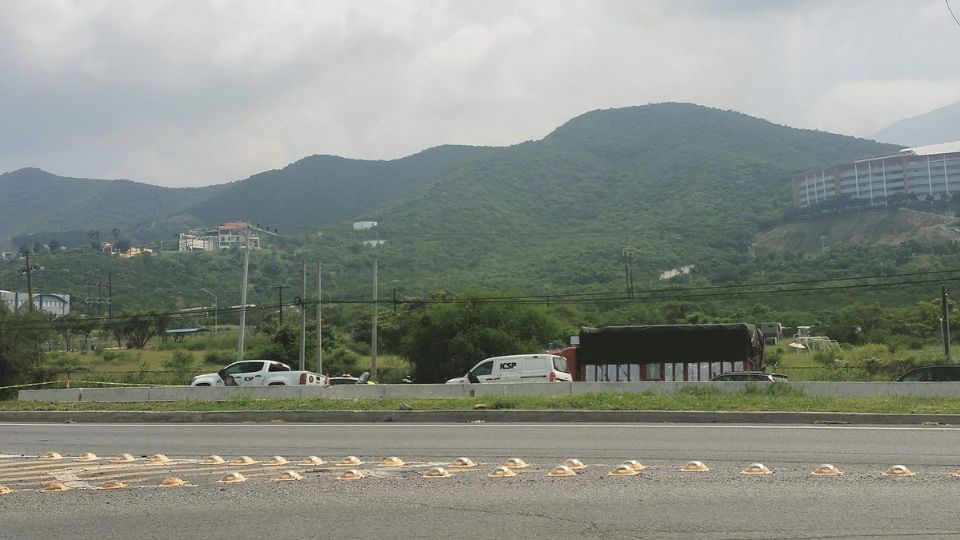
<point>216,307</point>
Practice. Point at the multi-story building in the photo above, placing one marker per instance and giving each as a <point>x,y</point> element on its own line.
<point>56,304</point>
<point>228,235</point>
<point>922,173</point>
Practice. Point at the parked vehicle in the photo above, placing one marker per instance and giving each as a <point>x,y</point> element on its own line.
<point>346,378</point>
<point>519,368</point>
<point>750,376</point>
<point>668,352</point>
<point>257,373</point>
<point>937,373</point>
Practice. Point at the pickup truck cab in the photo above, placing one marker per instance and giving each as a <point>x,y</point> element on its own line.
<point>257,373</point>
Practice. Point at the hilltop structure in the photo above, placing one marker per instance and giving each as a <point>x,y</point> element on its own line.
<point>921,173</point>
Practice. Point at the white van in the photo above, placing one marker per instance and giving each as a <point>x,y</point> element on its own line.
<point>518,368</point>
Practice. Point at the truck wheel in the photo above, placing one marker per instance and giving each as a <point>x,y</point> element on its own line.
<point>276,384</point>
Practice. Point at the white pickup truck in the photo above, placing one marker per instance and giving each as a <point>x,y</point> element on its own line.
<point>257,373</point>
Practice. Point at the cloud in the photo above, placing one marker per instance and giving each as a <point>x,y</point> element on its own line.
<point>865,107</point>
<point>189,92</point>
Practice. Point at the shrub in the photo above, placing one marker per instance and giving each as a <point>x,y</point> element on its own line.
<point>181,362</point>
<point>220,358</point>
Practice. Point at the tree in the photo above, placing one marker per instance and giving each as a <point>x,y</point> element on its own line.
<point>137,329</point>
<point>444,340</point>
<point>21,335</point>
<point>67,326</point>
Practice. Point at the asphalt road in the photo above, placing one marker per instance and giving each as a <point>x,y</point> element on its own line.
<point>660,502</point>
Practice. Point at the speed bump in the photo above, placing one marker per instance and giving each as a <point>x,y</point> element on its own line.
<point>634,464</point>
<point>756,468</point>
<point>562,470</point>
<point>288,476</point>
<point>243,460</point>
<point>124,458</point>
<point>312,460</point>
<point>233,478</point>
<point>436,472</point>
<point>113,484</point>
<point>695,466</point>
<point>50,456</point>
<point>827,470</point>
<point>623,470</point>
<point>159,458</point>
<point>392,461</point>
<point>574,464</point>
<point>463,463</point>
<point>277,460</point>
<point>55,487</point>
<point>213,460</point>
<point>502,472</point>
<point>87,456</point>
<point>350,461</point>
<point>515,463</point>
<point>350,474</point>
<point>899,470</point>
<point>4,490</point>
<point>172,481</point>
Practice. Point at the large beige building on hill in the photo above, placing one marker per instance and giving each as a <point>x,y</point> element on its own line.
<point>922,173</point>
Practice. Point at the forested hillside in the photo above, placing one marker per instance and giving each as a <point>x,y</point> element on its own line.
<point>678,184</point>
<point>35,201</point>
<point>323,190</point>
<point>669,185</point>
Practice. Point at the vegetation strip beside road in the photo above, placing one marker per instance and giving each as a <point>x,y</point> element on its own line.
<point>773,399</point>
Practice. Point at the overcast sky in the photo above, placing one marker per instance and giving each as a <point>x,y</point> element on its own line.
<point>199,92</point>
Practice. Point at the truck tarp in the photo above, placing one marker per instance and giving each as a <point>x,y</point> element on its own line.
<point>671,343</point>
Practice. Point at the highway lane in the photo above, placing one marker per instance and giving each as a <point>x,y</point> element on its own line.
<point>661,502</point>
<point>783,443</point>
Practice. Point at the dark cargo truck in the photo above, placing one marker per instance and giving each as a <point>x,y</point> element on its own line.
<point>684,352</point>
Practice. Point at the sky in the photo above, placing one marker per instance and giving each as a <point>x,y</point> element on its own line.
<point>198,92</point>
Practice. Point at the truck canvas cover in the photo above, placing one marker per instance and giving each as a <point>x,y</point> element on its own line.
<point>671,343</point>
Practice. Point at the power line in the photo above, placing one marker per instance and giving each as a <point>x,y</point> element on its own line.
<point>950,9</point>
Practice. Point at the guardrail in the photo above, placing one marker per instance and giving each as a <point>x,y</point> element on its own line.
<point>439,391</point>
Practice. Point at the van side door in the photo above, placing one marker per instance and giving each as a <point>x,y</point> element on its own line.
<point>507,369</point>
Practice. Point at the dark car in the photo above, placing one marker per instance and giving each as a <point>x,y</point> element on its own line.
<point>346,378</point>
<point>938,373</point>
<point>750,376</point>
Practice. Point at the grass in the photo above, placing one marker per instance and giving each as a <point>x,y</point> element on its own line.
<point>776,397</point>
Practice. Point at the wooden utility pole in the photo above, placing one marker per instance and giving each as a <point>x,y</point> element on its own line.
<point>303,316</point>
<point>319,353</point>
<point>945,323</point>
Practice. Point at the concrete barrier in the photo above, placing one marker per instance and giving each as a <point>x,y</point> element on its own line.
<point>440,391</point>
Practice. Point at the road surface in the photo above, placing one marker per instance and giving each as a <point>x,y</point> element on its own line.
<point>398,502</point>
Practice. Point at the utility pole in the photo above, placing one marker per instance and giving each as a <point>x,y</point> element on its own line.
<point>373,334</point>
<point>243,297</point>
<point>280,289</point>
<point>110,294</point>
<point>945,323</point>
<point>319,353</point>
<point>628,270</point>
<point>303,315</point>
<point>29,285</point>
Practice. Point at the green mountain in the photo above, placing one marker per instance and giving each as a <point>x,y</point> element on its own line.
<point>314,191</point>
<point>676,184</point>
<point>671,184</point>
<point>323,190</point>
<point>35,201</point>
